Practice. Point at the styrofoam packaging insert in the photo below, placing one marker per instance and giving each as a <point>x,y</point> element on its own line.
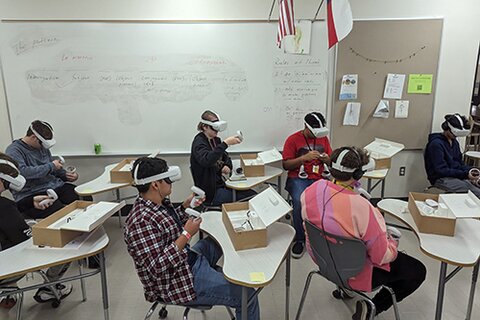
<point>382,149</point>
<point>462,205</point>
<point>270,156</point>
<point>269,206</point>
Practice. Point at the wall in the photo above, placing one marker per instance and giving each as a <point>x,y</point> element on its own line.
<point>459,48</point>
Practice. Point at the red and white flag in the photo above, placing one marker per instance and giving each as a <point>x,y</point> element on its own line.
<point>286,21</point>
<point>339,20</point>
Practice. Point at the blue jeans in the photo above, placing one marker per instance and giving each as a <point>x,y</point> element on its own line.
<point>295,187</point>
<point>225,195</point>
<point>210,285</point>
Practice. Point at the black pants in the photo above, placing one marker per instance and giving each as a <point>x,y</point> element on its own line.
<point>405,276</point>
<point>66,195</point>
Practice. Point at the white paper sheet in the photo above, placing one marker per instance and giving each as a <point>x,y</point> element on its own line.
<point>382,110</point>
<point>401,109</point>
<point>394,86</point>
<point>300,43</point>
<point>352,114</point>
<point>270,156</point>
<point>348,90</point>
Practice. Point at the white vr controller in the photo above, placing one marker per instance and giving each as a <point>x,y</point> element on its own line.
<point>52,197</point>
<point>193,213</point>
<point>240,135</point>
<point>199,194</point>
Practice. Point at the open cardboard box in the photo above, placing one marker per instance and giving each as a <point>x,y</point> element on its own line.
<point>253,164</point>
<point>382,152</point>
<point>121,173</point>
<point>265,209</point>
<point>442,225</point>
<point>71,221</point>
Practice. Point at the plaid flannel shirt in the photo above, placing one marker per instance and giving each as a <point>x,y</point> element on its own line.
<point>150,234</point>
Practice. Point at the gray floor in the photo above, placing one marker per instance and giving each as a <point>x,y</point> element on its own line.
<point>127,302</point>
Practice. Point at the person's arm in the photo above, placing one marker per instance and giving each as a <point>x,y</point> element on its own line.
<point>437,157</point>
<point>12,224</point>
<point>30,172</point>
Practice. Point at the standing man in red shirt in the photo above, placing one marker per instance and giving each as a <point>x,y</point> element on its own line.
<point>304,154</point>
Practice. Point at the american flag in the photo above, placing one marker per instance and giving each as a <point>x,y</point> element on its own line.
<point>286,23</point>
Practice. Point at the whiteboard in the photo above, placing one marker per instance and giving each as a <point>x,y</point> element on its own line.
<point>134,87</point>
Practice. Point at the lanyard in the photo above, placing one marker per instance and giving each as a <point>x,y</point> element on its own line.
<point>345,186</point>
<point>308,145</point>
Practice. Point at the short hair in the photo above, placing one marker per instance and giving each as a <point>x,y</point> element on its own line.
<point>206,115</point>
<point>148,167</point>
<point>313,122</point>
<point>5,168</point>
<point>355,158</point>
<point>43,128</point>
<point>453,120</point>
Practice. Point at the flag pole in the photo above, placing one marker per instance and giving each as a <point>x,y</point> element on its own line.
<point>271,10</point>
<point>318,10</point>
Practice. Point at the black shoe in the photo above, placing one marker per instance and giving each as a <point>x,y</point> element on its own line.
<point>362,311</point>
<point>298,250</point>
<point>45,294</point>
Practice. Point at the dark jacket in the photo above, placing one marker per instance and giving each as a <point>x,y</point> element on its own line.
<point>443,160</point>
<point>207,159</point>
<point>13,229</point>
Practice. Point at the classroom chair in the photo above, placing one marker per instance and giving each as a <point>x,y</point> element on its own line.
<point>8,285</point>
<point>338,260</point>
<point>163,311</point>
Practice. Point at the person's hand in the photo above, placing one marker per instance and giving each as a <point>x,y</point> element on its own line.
<point>193,225</point>
<point>226,170</point>
<point>187,203</point>
<point>71,176</point>
<point>58,165</point>
<point>324,158</point>
<point>38,199</point>
<point>233,140</point>
<point>311,155</point>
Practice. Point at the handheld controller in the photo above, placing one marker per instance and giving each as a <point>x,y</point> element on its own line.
<point>193,213</point>
<point>52,197</point>
<point>240,135</point>
<point>199,194</point>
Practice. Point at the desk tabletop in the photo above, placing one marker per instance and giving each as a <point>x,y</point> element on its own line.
<point>238,265</point>
<point>376,174</point>
<point>473,154</point>
<point>250,182</point>
<point>25,257</point>
<point>463,249</point>
<point>100,184</point>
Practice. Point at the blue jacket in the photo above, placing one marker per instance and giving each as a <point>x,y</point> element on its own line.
<point>443,160</point>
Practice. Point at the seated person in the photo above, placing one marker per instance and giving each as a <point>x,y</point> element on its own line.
<point>443,158</point>
<point>14,230</point>
<point>209,160</point>
<point>335,206</point>
<point>304,154</point>
<point>41,171</point>
<point>157,236</point>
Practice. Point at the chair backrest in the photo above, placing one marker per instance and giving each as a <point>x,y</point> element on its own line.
<point>338,258</point>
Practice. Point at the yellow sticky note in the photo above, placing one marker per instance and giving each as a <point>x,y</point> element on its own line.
<point>257,276</point>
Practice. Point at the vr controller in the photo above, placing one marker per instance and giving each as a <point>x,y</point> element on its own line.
<point>240,135</point>
<point>199,194</point>
<point>193,213</point>
<point>52,197</point>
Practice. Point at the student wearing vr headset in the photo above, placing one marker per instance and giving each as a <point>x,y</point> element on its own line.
<point>14,230</point>
<point>443,158</point>
<point>304,154</point>
<point>336,207</point>
<point>209,160</point>
<point>157,236</point>
<point>41,171</point>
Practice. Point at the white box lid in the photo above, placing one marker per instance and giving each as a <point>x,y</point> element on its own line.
<point>270,156</point>
<point>384,149</point>
<point>269,206</point>
<point>457,203</point>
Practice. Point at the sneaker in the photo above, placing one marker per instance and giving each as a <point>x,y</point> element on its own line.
<point>8,302</point>
<point>45,294</point>
<point>298,250</point>
<point>362,311</point>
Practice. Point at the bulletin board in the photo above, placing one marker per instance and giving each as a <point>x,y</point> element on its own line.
<point>373,50</point>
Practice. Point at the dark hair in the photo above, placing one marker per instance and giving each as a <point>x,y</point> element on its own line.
<point>5,168</point>
<point>453,120</point>
<point>43,128</point>
<point>355,158</point>
<point>148,167</point>
<point>313,122</point>
<point>206,115</point>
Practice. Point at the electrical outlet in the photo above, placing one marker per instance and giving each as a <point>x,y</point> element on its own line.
<point>401,172</point>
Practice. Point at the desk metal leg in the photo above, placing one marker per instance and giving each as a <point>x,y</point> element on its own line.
<point>472,290</point>
<point>244,303</point>
<point>234,195</point>
<point>117,193</point>
<point>279,184</point>
<point>287,286</point>
<point>369,185</point>
<point>441,290</point>
<point>103,275</point>
<point>82,280</point>
<point>383,189</point>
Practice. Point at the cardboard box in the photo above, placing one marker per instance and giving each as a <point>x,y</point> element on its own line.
<point>265,209</point>
<point>441,225</point>
<point>121,172</point>
<point>382,152</point>
<point>253,165</point>
<point>57,231</point>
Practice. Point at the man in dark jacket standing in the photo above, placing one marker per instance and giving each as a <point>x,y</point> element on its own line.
<point>443,158</point>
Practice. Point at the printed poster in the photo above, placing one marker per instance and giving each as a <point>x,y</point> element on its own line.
<point>420,83</point>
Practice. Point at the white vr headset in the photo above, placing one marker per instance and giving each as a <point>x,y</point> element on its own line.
<point>173,174</point>
<point>458,132</point>
<point>47,144</point>
<point>318,132</point>
<point>337,165</point>
<point>15,184</point>
<point>219,125</point>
